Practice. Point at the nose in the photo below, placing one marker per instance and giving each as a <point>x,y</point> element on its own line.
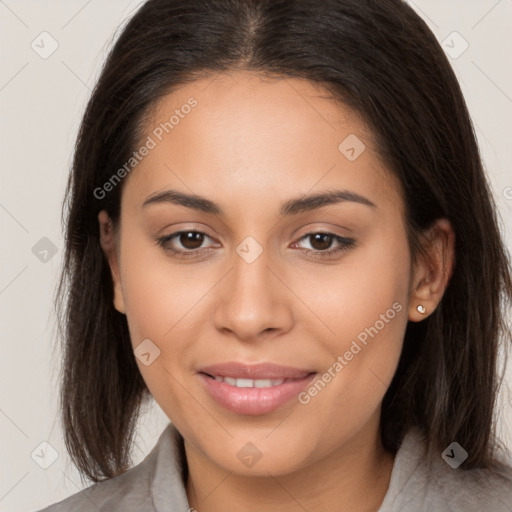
<point>252,301</point>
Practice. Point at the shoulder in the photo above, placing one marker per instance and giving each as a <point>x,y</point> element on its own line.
<point>149,486</point>
<point>127,491</point>
<point>416,486</point>
<point>475,490</point>
<point>129,488</point>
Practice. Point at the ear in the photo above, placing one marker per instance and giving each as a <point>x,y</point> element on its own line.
<point>433,270</point>
<point>108,244</point>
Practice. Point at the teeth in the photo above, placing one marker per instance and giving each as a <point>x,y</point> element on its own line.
<point>249,383</point>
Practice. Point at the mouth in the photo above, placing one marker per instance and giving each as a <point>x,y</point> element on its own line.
<point>260,371</point>
<point>250,383</point>
<point>253,389</point>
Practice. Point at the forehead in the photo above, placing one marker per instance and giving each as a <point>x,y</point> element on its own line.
<point>258,137</point>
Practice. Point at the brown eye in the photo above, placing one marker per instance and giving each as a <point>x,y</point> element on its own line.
<point>184,243</point>
<point>191,239</point>
<point>321,244</point>
<point>321,241</point>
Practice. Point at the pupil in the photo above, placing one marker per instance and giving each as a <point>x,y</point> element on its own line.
<point>191,240</point>
<point>324,245</point>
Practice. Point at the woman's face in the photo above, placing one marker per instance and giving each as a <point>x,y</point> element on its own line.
<point>326,312</point>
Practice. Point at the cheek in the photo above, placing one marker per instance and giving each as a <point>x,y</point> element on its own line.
<point>366,308</point>
<point>162,301</point>
<point>159,295</point>
<point>357,294</point>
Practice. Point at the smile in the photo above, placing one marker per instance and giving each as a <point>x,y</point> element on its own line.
<point>253,389</point>
<point>249,383</point>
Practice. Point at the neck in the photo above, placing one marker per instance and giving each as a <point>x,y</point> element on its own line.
<point>353,477</point>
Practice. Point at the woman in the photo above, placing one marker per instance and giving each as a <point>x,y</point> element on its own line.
<point>279,228</point>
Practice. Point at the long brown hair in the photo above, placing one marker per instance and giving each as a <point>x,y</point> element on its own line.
<point>379,58</point>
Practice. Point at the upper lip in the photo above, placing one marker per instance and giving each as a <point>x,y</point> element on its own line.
<point>254,371</point>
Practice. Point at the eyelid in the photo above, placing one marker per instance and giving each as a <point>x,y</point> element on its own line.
<point>162,240</point>
<point>343,243</point>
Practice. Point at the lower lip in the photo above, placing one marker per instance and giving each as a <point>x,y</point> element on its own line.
<point>254,401</point>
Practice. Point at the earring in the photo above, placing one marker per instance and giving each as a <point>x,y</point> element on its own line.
<point>422,309</point>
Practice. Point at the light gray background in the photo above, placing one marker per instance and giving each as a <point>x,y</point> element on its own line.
<point>42,101</point>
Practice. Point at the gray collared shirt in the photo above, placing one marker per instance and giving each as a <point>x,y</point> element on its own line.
<point>156,485</point>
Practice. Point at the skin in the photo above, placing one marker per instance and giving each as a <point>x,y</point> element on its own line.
<point>252,143</point>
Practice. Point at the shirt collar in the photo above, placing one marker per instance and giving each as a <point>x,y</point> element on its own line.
<point>167,485</point>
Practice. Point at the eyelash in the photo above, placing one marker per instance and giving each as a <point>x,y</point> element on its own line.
<point>345,244</point>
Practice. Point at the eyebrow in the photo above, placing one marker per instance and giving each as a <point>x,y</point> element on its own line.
<point>290,207</point>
